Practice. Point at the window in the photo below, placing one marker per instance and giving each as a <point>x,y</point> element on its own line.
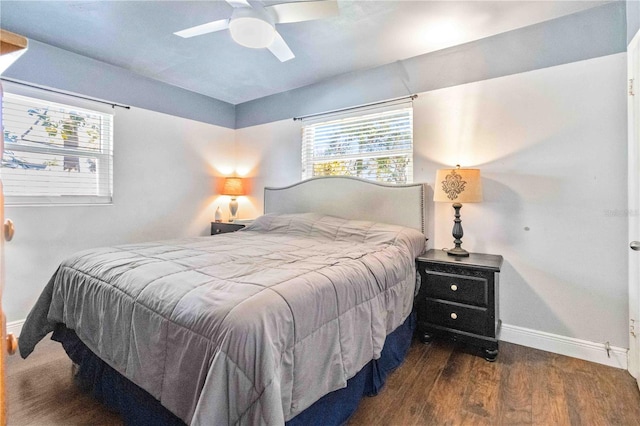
<point>377,146</point>
<point>55,153</point>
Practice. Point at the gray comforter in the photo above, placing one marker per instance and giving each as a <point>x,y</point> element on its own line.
<point>243,328</point>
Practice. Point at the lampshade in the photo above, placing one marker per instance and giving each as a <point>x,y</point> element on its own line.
<point>458,186</point>
<point>233,186</point>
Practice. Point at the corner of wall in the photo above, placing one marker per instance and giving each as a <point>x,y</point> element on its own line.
<point>633,18</point>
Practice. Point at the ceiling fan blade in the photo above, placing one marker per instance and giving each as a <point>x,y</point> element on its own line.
<point>209,27</point>
<point>280,49</point>
<point>239,3</point>
<point>303,11</point>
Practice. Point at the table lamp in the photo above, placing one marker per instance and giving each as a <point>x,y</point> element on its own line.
<point>234,188</point>
<point>458,186</point>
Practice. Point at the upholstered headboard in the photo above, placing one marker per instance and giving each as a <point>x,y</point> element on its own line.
<point>351,198</point>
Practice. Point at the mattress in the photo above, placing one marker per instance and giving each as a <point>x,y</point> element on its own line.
<point>247,328</point>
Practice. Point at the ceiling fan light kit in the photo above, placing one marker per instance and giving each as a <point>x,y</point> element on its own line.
<point>254,27</point>
<point>249,29</point>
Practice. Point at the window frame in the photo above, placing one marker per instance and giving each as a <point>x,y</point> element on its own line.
<point>105,155</point>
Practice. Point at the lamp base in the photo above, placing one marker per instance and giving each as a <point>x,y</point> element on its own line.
<point>233,209</point>
<point>457,251</point>
<point>457,234</point>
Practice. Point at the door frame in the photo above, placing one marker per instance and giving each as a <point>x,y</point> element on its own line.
<point>11,47</point>
<point>633,122</point>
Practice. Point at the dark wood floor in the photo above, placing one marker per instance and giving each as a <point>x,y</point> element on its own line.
<point>442,384</point>
<point>438,384</point>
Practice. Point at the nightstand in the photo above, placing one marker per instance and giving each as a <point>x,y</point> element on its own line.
<point>458,299</point>
<point>224,227</point>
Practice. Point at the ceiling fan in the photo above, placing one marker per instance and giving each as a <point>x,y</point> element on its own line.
<point>255,26</point>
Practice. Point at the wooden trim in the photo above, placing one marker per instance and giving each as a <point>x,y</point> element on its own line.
<point>3,363</point>
<point>11,42</point>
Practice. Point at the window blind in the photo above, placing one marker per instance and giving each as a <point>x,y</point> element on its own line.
<point>376,146</point>
<point>55,153</point>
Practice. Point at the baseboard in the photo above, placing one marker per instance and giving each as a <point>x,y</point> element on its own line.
<point>569,346</point>
<point>15,327</point>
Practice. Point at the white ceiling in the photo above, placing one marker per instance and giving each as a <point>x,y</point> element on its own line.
<point>138,35</point>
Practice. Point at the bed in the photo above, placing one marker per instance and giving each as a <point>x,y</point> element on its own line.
<point>255,327</point>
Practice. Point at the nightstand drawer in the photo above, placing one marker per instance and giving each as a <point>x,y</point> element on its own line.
<point>456,288</point>
<point>451,315</point>
<point>223,228</point>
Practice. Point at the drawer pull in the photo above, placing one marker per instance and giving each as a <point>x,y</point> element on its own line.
<point>454,315</point>
<point>454,287</point>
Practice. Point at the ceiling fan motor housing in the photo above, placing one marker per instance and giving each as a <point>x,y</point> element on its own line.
<point>251,27</point>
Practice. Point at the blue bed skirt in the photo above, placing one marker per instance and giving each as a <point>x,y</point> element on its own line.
<point>137,407</point>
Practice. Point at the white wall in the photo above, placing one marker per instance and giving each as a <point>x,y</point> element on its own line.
<point>551,145</point>
<point>270,155</point>
<point>164,178</point>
